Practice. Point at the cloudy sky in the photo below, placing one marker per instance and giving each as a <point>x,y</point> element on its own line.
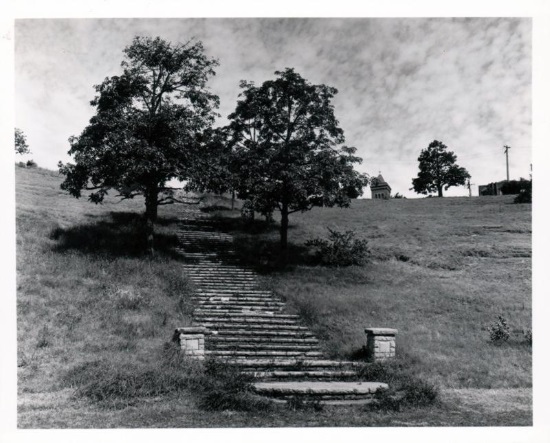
<point>402,82</point>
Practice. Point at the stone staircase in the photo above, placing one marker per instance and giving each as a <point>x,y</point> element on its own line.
<point>250,329</point>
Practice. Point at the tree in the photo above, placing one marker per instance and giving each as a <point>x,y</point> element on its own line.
<point>286,153</point>
<point>438,170</point>
<point>21,146</point>
<point>147,126</point>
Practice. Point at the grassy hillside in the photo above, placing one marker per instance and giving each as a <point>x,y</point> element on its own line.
<point>441,270</point>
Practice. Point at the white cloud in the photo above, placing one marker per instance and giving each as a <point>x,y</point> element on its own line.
<point>402,82</point>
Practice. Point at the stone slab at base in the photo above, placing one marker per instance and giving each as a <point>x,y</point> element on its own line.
<point>319,390</point>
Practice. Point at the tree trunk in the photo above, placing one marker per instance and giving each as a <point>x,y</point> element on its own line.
<point>232,200</point>
<point>440,191</point>
<point>151,211</point>
<point>284,227</point>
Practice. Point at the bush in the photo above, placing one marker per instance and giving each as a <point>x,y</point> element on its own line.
<point>301,404</point>
<point>31,164</point>
<point>499,331</point>
<point>118,385</point>
<point>525,195</point>
<point>127,297</point>
<point>341,249</point>
<point>406,389</point>
<point>528,336</point>
<point>224,387</point>
<point>420,393</point>
<point>515,186</point>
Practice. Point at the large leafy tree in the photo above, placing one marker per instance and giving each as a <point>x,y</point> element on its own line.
<point>21,146</point>
<point>147,126</point>
<point>288,154</point>
<point>438,170</point>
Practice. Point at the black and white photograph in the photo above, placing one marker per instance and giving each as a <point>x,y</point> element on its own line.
<point>274,221</point>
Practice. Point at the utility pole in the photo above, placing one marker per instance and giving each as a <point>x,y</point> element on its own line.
<point>469,186</point>
<point>506,147</point>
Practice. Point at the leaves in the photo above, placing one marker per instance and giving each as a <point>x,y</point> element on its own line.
<point>147,124</point>
<point>286,147</point>
<point>21,146</point>
<point>437,170</point>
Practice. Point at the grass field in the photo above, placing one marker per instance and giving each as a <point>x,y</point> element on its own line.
<point>440,271</point>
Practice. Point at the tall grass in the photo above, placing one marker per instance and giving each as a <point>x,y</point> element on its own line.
<point>85,291</point>
<point>90,305</point>
<point>440,271</point>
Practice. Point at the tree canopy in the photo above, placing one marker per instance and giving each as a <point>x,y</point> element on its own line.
<point>438,171</point>
<point>147,126</point>
<point>21,146</point>
<point>288,153</point>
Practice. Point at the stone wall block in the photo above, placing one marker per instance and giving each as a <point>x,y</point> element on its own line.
<point>380,343</point>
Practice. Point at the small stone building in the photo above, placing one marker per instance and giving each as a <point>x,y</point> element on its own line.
<point>379,188</point>
<point>491,188</point>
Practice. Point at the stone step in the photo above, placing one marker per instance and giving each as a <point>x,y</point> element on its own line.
<point>209,246</point>
<point>262,346</point>
<point>196,270</point>
<point>227,304</point>
<point>206,233</point>
<point>226,298</point>
<point>206,277</point>
<point>204,254</point>
<point>207,269</point>
<point>284,363</point>
<point>248,320</point>
<point>322,390</point>
<point>216,326</point>
<point>245,333</point>
<point>234,286</point>
<point>229,291</point>
<point>238,309</point>
<point>260,340</point>
<point>243,316</point>
<point>300,375</point>
<point>263,353</point>
<point>220,278</point>
<point>229,280</point>
<point>203,238</point>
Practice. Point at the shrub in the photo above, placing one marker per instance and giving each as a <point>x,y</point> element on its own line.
<point>528,336</point>
<point>515,186</point>
<point>386,400</point>
<point>224,387</point>
<point>341,249</point>
<point>301,404</point>
<point>406,389</point>
<point>44,338</point>
<point>525,195</point>
<point>247,211</point>
<point>420,393</point>
<point>127,298</point>
<point>120,384</point>
<point>499,331</point>
<point>31,164</point>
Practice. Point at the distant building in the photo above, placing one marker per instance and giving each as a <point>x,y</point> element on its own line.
<point>379,188</point>
<point>491,188</point>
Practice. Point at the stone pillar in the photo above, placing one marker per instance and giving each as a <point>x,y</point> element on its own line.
<point>380,343</point>
<point>191,340</point>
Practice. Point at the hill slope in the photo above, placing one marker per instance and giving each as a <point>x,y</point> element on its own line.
<point>441,271</point>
